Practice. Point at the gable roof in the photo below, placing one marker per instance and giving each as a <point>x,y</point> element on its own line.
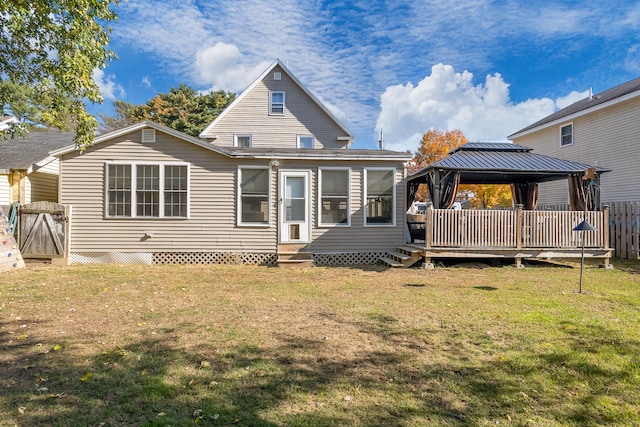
<point>587,105</point>
<point>31,151</point>
<point>143,125</point>
<point>276,63</point>
<point>503,163</point>
<point>247,152</point>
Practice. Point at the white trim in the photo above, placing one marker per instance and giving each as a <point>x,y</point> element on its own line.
<point>319,197</point>
<point>239,222</point>
<point>299,145</point>
<point>364,197</point>
<point>242,135</point>
<point>133,202</point>
<point>572,134</point>
<point>138,126</point>
<point>260,78</point>
<point>284,102</point>
<point>306,236</point>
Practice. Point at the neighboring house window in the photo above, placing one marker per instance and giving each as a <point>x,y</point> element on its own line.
<point>253,204</point>
<point>334,196</point>
<point>379,196</point>
<point>566,134</point>
<point>305,141</point>
<point>277,103</point>
<point>147,191</point>
<point>242,140</point>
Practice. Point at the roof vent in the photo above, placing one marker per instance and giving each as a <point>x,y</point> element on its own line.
<point>148,135</point>
<point>277,75</point>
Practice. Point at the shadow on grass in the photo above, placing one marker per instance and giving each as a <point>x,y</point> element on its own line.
<point>294,382</point>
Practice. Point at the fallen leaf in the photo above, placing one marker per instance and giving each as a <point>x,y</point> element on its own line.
<point>86,377</point>
<point>57,347</point>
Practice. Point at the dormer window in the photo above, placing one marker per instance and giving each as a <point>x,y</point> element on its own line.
<point>566,135</point>
<point>276,106</point>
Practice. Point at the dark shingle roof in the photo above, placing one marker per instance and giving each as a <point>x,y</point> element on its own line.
<point>502,163</point>
<point>587,103</point>
<point>339,153</point>
<point>22,153</point>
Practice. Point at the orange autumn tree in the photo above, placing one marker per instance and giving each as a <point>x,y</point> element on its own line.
<point>436,145</point>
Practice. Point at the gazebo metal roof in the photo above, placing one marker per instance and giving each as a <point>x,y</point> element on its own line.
<point>502,163</point>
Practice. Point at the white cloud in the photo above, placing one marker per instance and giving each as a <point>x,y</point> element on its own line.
<point>222,66</point>
<point>447,100</point>
<point>574,96</point>
<point>108,87</point>
<point>146,81</point>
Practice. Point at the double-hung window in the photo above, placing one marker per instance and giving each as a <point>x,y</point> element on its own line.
<point>276,105</point>
<point>253,195</point>
<point>334,196</point>
<point>379,196</point>
<point>147,190</point>
<point>566,135</point>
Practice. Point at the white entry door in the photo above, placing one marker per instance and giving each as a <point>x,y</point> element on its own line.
<point>295,212</point>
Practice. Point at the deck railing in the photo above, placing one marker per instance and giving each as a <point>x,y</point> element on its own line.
<point>513,229</point>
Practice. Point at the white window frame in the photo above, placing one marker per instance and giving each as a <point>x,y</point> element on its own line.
<point>242,135</point>
<point>572,134</point>
<point>321,223</point>
<point>239,222</point>
<point>299,142</point>
<point>365,195</point>
<point>271,104</point>
<point>133,189</point>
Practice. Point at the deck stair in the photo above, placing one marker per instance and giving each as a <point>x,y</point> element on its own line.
<point>294,256</point>
<point>403,257</point>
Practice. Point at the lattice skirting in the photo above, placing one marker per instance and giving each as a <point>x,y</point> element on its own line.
<point>331,259</point>
<point>352,258</point>
<point>175,258</point>
<point>214,258</point>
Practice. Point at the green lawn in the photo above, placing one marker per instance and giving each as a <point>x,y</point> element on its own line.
<point>257,346</point>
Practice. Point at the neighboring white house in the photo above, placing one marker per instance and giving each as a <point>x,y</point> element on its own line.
<point>601,130</point>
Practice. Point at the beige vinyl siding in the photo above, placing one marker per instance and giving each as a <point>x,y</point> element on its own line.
<point>608,138</point>
<point>357,237</point>
<point>42,186</point>
<point>5,191</point>
<point>302,117</point>
<point>211,226</point>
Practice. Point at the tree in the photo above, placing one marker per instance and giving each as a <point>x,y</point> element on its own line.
<point>183,109</point>
<point>53,47</point>
<point>436,145</point>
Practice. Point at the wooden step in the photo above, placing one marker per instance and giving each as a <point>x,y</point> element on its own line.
<point>413,250</point>
<point>392,263</point>
<point>297,263</point>
<point>303,256</point>
<point>398,256</point>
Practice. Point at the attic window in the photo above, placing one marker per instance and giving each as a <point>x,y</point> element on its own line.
<point>566,135</point>
<point>276,104</point>
<point>148,135</point>
<point>277,75</point>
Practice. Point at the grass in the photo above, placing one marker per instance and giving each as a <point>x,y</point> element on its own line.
<point>242,345</point>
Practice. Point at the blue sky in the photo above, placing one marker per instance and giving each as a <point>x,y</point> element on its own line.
<point>488,68</point>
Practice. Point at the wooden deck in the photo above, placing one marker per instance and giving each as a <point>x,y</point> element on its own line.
<point>516,234</point>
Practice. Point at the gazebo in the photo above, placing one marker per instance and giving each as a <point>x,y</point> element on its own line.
<point>521,232</point>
